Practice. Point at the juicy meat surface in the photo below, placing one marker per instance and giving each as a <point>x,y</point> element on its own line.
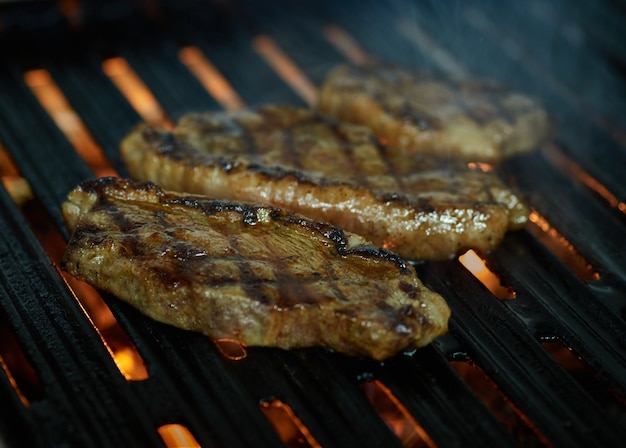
<point>295,158</point>
<point>255,273</point>
<point>472,120</point>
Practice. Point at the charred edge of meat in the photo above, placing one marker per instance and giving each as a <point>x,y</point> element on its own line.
<point>249,213</point>
<point>169,146</point>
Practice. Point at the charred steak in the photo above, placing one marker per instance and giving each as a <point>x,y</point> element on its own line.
<point>471,120</point>
<point>256,273</point>
<point>295,158</point>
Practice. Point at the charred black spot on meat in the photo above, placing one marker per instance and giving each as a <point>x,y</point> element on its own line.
<point>409,289</point>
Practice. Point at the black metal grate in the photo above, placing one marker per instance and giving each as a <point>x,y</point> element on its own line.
<point>569,53</point>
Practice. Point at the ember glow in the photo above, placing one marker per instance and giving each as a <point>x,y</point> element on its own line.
<point>135,91</point>
<point>54,102</point>
<point>395,415</point>
<point>287,425</point>
<point>210,77</point>
<point>122,349</point>
<point>231,348</point>
<point>561,247</point>
<point>556,156</point>
<point>285,68</point>
<point>17,187</point>
<point>346,44</point>
<point>415,34</point>
<point>175,435</point>
<point>477,266</point>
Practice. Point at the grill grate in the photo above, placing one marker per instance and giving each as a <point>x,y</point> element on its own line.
<point>540,47</point>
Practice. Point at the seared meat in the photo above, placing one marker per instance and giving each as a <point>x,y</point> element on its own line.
<point>470,120</point>
<point>256,273</point>
<point>421,208</point>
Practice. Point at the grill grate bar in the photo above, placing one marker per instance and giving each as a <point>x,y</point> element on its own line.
<point>110,117</point>
<point>433,393</point>
<point>504,348</point>
<point>76,371</point>
<point>574,126</point>
<point>218,399</point>
<point>37,146</point>
<point>163,73</point>
<point>576,316</point>
<point>593,228</point>
<point>194,384</point>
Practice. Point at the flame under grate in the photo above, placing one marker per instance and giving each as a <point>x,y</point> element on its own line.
<point>79,75</point>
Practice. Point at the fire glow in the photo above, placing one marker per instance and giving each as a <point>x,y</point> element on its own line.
<point>287,425</point>
<point>561,247</point>
<point>54,102</point>
<point>396,416</point>
<point>487,277</point>
<point>210,78</point>
<point>346,45</point>
<point>286,68</point>
<point>175,435</point>
<point>135,91</point>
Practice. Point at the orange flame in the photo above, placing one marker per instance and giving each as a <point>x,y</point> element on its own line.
<point>210,77</point>
<point>396,415</point>
<point>487,277</point>
<point>54,102</point>
<point>135,91</point>
<point>175,435</point>
<point>287,425</point>
<point>346,44</point>
<point>286,68</point>
<point>561,247</point>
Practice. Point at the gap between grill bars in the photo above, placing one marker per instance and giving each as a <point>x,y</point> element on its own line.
<point>323,393</point>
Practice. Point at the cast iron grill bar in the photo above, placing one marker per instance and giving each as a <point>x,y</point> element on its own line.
<point>16,426</point>
<point>181,364</point>
<point>333,408</point>
<point>436,395</point>
<point>87,400</point>
<point>111,117</point>
<point>565,58</point>
<point>575,315</point>
<point>594,229</point>
<point>504,348</point>
<point>37,146</point>
<point>179,106</point>
<point>254,81</point>
<point>157,64</point>
<point>356,417</point>
<point>592,147</point>
<point>201,391</point>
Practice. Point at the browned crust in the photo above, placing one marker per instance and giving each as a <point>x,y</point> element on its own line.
<point>252,272</point>
<point>417,226</point>
<point>471,120</point>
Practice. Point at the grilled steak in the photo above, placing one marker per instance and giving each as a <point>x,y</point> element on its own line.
<point>294,158</point>
<point>470,120</point>
<point>253,272</point>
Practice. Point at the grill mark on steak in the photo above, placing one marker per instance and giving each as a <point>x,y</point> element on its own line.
<point>473,120</point>
<point>423,207</point>
<point>253,272</point>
